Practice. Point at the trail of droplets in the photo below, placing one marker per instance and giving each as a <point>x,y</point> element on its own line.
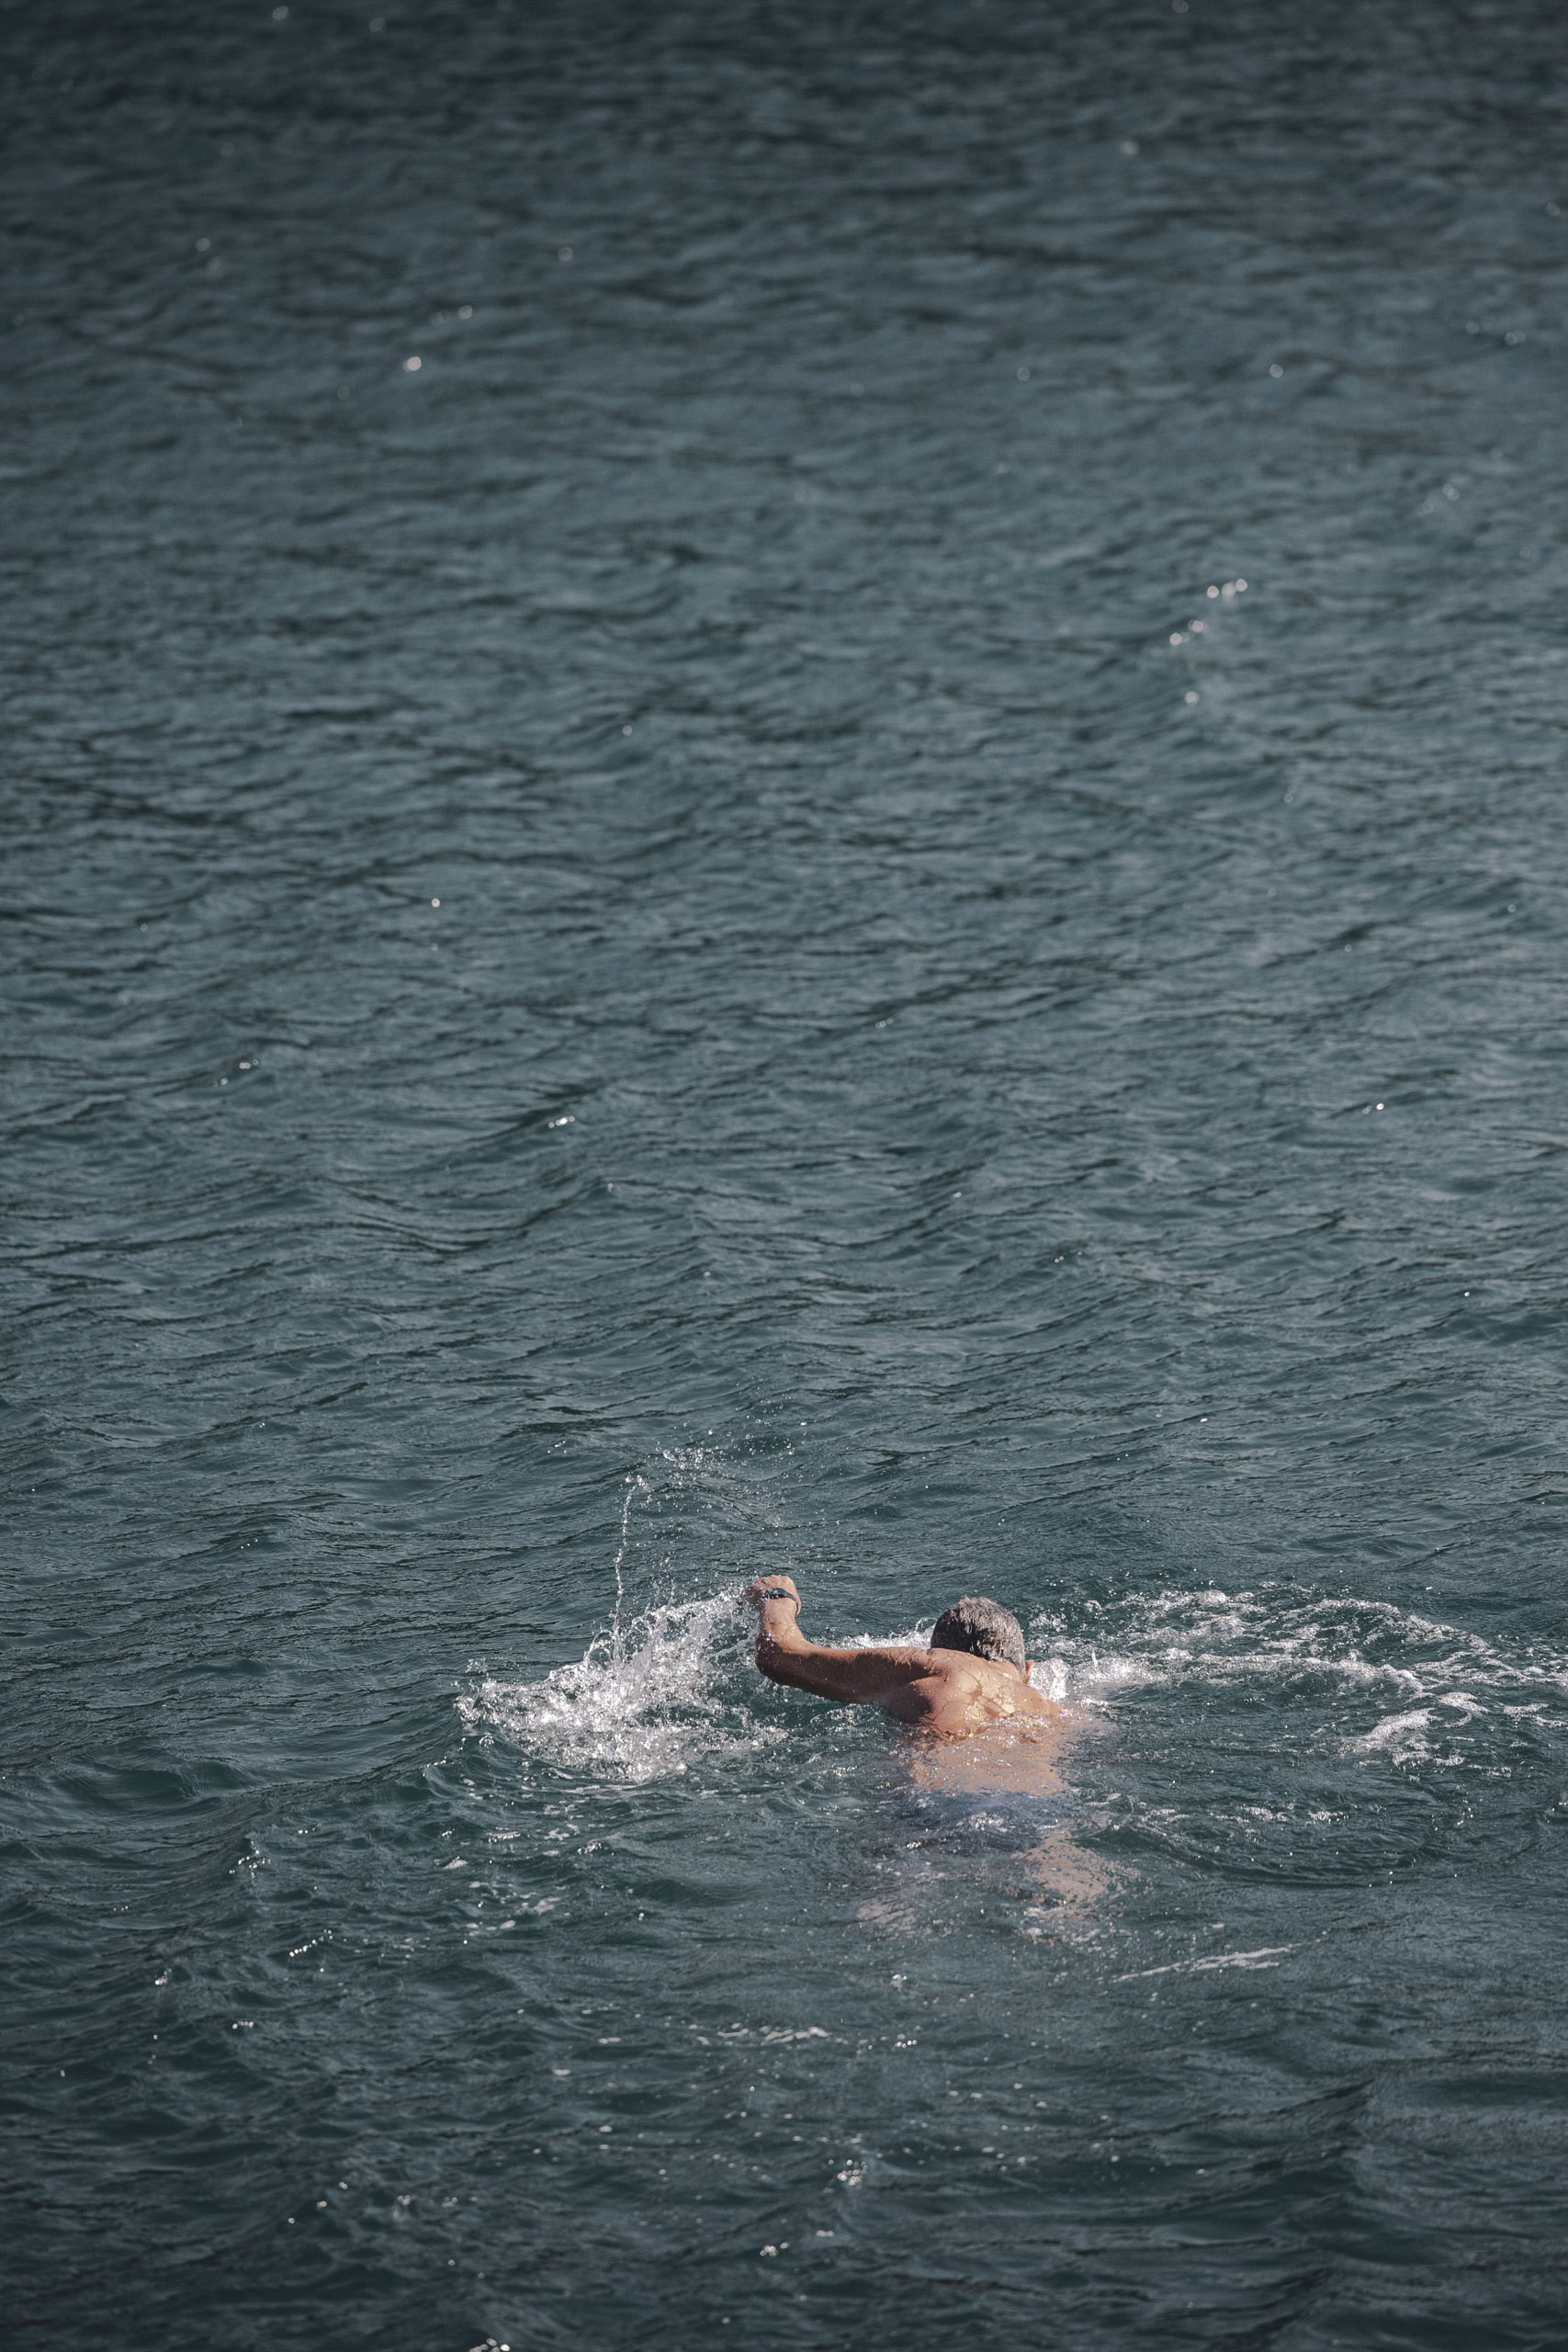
<point>635,1485</point>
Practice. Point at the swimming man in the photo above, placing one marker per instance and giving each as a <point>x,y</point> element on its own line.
<point>975,1674</point>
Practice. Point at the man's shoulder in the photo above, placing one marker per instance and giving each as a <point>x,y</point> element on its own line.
<point>961,1670</point>
<point>996,1679</point>
<point>906,1654</point>
<point>963,1666</point>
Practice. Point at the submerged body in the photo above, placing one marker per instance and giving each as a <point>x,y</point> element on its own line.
<point>947,1694</point>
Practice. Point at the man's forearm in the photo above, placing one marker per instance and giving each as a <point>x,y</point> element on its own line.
<point>852,1676</point>
<point>782,1647</point>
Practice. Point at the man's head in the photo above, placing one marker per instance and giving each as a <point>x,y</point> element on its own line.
<point>983,1628</point>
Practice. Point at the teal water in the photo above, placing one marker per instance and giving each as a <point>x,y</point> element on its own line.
<point>710,936</point>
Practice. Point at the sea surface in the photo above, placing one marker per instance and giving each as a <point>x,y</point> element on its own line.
<point>783,793</point>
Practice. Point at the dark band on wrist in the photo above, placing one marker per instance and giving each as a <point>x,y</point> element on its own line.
<point>779,1594</point>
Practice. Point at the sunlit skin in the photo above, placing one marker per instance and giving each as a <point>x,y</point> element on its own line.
<point>944,1694</point>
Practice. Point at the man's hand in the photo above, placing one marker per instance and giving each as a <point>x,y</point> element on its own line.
<point>767,1588</point>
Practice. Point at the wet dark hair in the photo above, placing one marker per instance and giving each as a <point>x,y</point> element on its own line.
<point>982,1627</point>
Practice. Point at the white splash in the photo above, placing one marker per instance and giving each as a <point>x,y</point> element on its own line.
<point>644,1703</point>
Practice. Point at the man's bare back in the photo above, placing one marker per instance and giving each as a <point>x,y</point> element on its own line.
<point>944,1694</point>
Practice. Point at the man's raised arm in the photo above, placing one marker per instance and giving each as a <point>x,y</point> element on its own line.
<point>854,1677</point>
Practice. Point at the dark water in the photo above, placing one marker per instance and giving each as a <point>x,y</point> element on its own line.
<point>660,948</point>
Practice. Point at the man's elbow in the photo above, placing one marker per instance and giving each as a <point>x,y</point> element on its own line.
<point>789,1668</point>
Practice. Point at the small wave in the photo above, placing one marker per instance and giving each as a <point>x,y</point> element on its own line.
<point>1402,1738</point>
<point>1266,1956</point>
<point>643,1703</point>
